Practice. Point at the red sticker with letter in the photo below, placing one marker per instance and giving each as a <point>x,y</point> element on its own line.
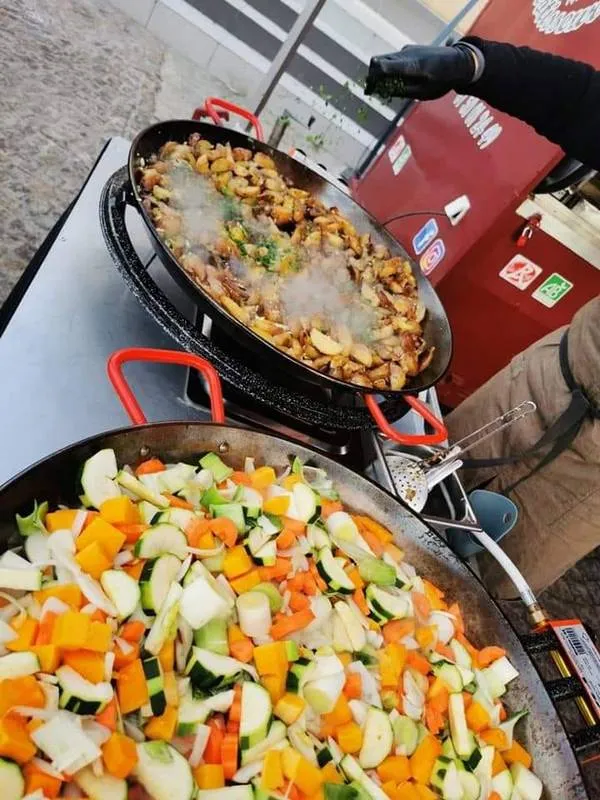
<point>432,257</point>
<point>520,272</point>
<point>583,655</point>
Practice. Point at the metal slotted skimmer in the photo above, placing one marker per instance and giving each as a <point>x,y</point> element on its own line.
<point>415,477</point>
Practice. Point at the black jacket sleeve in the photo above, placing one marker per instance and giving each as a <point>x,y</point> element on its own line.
<point>559,97</point>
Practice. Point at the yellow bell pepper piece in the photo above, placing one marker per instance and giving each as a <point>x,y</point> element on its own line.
<point>236,562</point>
<point>110,539</point>
<point>275,686</point>
<point>245,583</point>
<point>99,637</point>
<point>15,742</point>
<point>262,477</point>
<point>93,560</point>
<point>394,768</point>
<point>209,776</point>
<point>48,656</point>
<point>349,737</point>
<point>289,708</point>
<point>290,481</point>
<point>71,630</point>
<point>298,769</point>
<point>392,659</point>
<point>277,505</point>
<point>69,593</point>
<point>272,772</point>
<point>120,511</point>
<point>60,520</point>
<point>26,632</point>
<point>271,659</point>
<point>162,727</point>
<point>330,774</point>
<point>166,656</point>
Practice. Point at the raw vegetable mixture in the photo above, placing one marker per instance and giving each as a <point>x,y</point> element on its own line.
<point>195,631</point>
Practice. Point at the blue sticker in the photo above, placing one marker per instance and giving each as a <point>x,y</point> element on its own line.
<point>425,236</point>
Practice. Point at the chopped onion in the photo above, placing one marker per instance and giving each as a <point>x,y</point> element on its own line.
<point>14,602</point>
<point>98,767</point>
<point>374,639</point>
<point>109,662</point>
<point>183,643</point>
<point>89,608</point>
<point>363,620</point>
<point>53,605</point>
<point>7,634</point>
<point>12,560</point>
<point>125,646</point>
<point>44,766</point>
<point>96,732</point>
<point>78,522</point>
<point>409,642</point>
<point>254,614</point>
<point>226,587</point>
<point>444,623</point>
<point>37,795</point>
<point>124,557</point>
<point>182,686</point>
<point>214,551</point>
<point>183,568</point>
<point>93,592</point>
<point>52,695</point>
<point>249,467</point>
<point>370,691</point>
<point>35,713</point>
<point>245,774</point>
<point>47,677</point>
<point>204,479</point>
<point>200,742</point>
<point>133,731</point>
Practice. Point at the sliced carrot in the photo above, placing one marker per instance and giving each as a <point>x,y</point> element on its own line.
<point>280,570</point>
<point>241,478</point>
<point>132,631</point>
<point>445,651</point>
<point>517,753</point>
<point>458,622</point>
<point>298,601</point>
<point>229,751</point>
<point>134,570</point>
<point>242,650</point>
<point>321,585</point>
<point>494,796</point>
<point>123,659</point>
<point>498,764</point>
<point>235,711</point>
<point>310,585</point>
<point>353,686</point>
<point>150,466</point>
<point>196,529</point>
<point>488,655</point>
<point>296,582</point>
<point>212,751</point>
<point>354,576</point>
<point>418,662</point>
<point>178,502</point>
<point>294,525</point>
<point>132,531</point>
<point>286,539</point>
<point>108,717</point>
<point>225,529</point>
<point>292,792</point>
<point>397,629</point>
<point>371,539</point>
<point>468,699</point>
<point>471,650</point>
<point>495,737</point>
<point>503,714</point>
<point>295,622</point>
<point>45,628</point>
<point>421,604</point>
<point>329,507</point>
<point>434,719</point>
<point>359,598</point>
<point>440,701</point>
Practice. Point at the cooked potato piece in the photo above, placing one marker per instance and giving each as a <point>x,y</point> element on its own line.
<point>325,344</point>
<point>270,231</point>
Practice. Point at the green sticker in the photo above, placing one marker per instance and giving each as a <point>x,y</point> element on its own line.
<point>553,289</point>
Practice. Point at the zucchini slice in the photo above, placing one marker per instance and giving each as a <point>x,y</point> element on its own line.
<point>378,739</point>
<point>332,572</point>
<point>161,539</point>
<point>163,772</point>
<point>98,477</point>
<point>165,624</point>
<point>81,696</point>
<point>256,713</point>
<point>208,670</point>
<point>122,590</point>
<point>386,605</point>
<point>157,576</point>
<point>28,579</point>
<point>11,780</point>
<point>156,685</point>
<point>18,665</point>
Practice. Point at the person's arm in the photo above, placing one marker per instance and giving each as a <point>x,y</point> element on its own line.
<point>559,97</point>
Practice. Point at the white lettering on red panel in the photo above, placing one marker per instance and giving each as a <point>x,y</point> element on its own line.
<point>551,16</point>
<point>478,119</point>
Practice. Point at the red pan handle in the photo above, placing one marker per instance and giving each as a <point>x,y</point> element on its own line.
<point>211,102</point>
<point>440,435</point>
<point>128,399</point>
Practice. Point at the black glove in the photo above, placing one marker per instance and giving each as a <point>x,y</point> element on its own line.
<point>423,72</point>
